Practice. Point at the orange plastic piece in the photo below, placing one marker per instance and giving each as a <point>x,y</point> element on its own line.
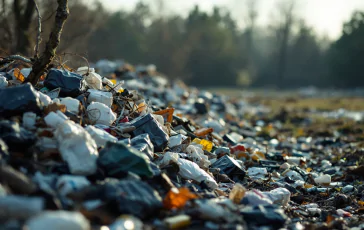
<point>203,132</point>
<point>18,75</point>
<point>257,155</point>
<point>166,113</point>
<point>177,198</point>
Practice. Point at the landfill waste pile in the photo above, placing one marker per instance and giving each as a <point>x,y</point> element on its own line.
<point>117,147</point>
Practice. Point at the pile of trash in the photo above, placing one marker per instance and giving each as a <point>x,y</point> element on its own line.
<point>83,151</point>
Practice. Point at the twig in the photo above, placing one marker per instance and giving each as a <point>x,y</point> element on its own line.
<point>88,64</point>
<point>39,38</point>
<point>42,63</point>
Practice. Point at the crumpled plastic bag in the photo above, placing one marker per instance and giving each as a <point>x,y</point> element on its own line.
<point>148,124</point>
<point>133,197</point>
<point>190,170</point>
<point>230,167</point>
<point>280,196</point>
<point>71,84</point>
<point>16,137</point>
<point>100,136</point>
<point>77,148</point>
<point>198,156</point>
<point>100,114</point>
<point>143,144</point>
<point>117,159</point>
<point>16,100</point>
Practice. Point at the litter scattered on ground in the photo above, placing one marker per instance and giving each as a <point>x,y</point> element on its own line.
<point>88,150</point>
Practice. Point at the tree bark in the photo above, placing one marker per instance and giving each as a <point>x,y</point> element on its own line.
<point>23,19</point>
<point>42,63</point>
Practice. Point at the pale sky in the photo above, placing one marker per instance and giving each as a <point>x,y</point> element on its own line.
<point>326,16</point>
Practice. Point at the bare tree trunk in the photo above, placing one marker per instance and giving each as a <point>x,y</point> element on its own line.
<point>42,63</point>
<point>285,31</point>
<point>23,19</point>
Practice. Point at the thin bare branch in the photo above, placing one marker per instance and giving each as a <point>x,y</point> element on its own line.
<point>42,63</point>
<point>39,38</point>
<point>88,64</point>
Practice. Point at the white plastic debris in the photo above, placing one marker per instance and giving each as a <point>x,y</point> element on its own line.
<point>176,140</point>
<point>69,183</point>
<point>279,196</point>
<point>100,136</point>
<point>93,80</point>
<point>169,157</point>
<point>257,172</point>
<point>29,119</point>
<point>314,211</point>
<point>58,220</point>
<point>197,155</point>
<point>285,166</point>
<point>325,164</point>
<point>126,222</point>
<point>347,188</point>
<point>216,125</point>
<point>73,105</point>
<point>54,119</point>
<point>256,197</point>
<point>323,180</point>
<point>47,144</point>
<point>20,207</point>
<point>3,82</point>
<point>292,174</point>
<point>100,114</point>
<point>45,99</point>
<point>343,213</point>
<point>298,183</point>
<point>77,148</point>
<point>190,170</point>
<point>100,96</point>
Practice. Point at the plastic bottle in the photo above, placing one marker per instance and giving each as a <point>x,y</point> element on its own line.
<point>237,193</point>
<point>94,80</point>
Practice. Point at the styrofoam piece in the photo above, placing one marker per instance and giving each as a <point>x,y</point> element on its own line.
<point>73,105</point>
<point>45,99</point>
<point>54,119</point>
<point>100,96</point>
<point>100,136</point>
<point>77,148</point>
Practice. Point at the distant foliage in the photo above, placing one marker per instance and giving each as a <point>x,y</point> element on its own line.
<point>203,49</point>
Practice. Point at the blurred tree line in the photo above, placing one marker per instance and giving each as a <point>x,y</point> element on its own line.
<point>204,49</point>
